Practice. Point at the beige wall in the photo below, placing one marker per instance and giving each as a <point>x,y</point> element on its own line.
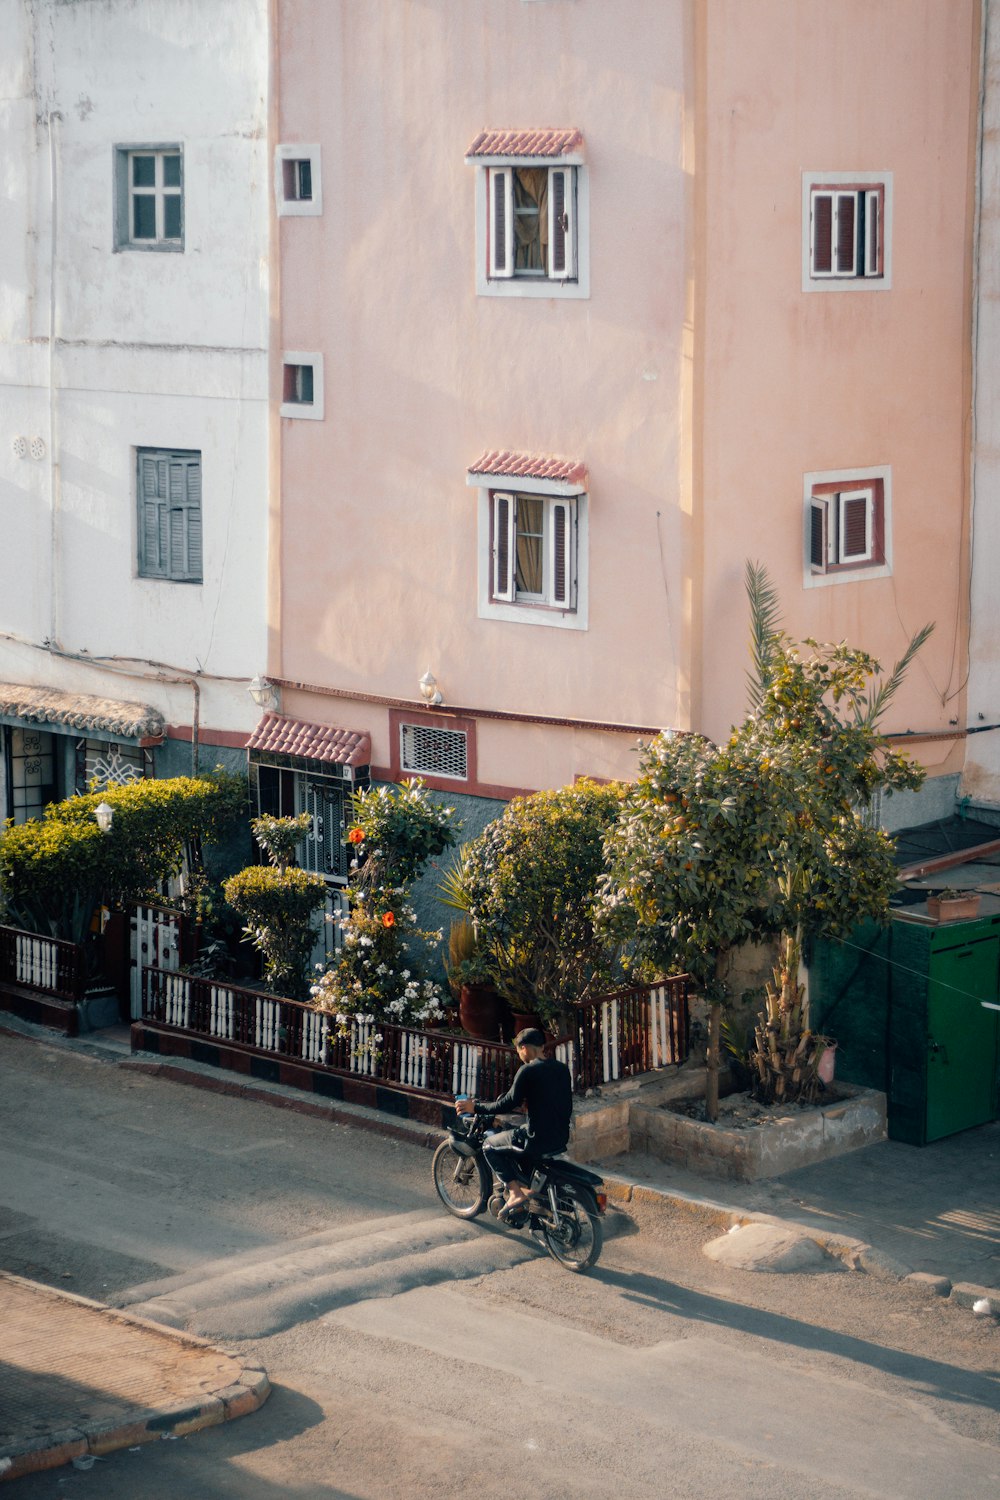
<point>793,382</point>
<point>379,528</point>
<point>698,382</point>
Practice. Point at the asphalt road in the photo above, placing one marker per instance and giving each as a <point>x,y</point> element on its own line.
<point>414,1355</point>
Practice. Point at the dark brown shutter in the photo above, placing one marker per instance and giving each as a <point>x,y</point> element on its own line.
<point>854,540</point>
<point>560,554</point>
<point>503,547</point>
<point>817,535</point>
<point>499,184</point>
<point>822,234</point>
<point>560,223</point>
<point>847,205</point>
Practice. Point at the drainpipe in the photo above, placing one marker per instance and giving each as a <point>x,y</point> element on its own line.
<point>55,479</point>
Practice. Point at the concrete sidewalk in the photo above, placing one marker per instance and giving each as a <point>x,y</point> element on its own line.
<point>80,1380</point>
<point>887,1209</point>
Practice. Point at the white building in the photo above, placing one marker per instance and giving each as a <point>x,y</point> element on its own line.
<point>133,359</point>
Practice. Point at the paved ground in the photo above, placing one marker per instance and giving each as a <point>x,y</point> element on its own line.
<point>79,1379</point>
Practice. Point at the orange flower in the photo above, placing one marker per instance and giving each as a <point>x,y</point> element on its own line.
<point>388,919</point>
<point>356,836</point>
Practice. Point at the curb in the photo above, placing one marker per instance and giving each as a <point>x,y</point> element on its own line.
<point>280,1096</point>
<point>855,1255</point>
<point>95,1439</point>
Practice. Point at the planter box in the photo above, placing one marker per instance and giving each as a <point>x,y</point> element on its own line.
<point>782,1145</point>
<point>953,908</point>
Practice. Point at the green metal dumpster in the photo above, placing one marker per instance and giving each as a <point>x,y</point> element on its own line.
<point>904,1002</point>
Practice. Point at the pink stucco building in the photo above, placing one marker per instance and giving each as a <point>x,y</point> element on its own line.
<point>578,307</point>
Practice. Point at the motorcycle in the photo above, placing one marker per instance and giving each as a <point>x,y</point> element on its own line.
<point>566,1204</point>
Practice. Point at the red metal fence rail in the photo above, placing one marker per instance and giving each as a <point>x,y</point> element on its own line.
<point>613,1037</point>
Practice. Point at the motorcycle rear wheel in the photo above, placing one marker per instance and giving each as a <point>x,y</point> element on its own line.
<point>576,1242</point>
<point>462,1182</point>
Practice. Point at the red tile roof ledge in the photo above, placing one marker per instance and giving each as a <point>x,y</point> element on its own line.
<point>281,736</point>
<point>545,144</point>
<point>568,474</point>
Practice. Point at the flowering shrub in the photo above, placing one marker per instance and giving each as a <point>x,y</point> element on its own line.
<point>396,830</point>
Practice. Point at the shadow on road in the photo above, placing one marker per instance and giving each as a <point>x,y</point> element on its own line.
<point>930,1376</point>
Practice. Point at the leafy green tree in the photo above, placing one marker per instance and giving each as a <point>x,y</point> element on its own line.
<point>765,836</point>
<point>530,880</point>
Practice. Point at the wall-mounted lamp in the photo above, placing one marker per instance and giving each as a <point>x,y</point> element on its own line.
<point>429,688</point>
<point>105,816</point>
<point>263,693</point>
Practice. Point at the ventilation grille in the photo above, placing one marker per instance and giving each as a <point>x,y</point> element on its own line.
<point>435,752</point>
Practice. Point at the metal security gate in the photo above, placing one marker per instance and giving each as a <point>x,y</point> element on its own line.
<point>155,943</point>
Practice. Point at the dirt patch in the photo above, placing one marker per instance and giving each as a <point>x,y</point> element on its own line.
<point>741,1112</point>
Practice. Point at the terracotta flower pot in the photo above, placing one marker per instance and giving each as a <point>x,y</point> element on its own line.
<point>482,1011</point>
<point>520,1020</point>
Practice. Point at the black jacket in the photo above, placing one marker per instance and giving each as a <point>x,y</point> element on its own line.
<point>545,1086</point>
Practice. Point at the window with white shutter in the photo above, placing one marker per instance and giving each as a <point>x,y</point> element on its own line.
<point>846,230</point>
<point>532,223</point>
<point>168,490</point>
<point>846,524</point>
<point>532,213</point>
<point>533,550</point>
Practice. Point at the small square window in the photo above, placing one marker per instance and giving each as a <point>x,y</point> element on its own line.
<point>297,184</point>
<point>846,525</point>
<point>846,223</point>
<point>302,385</point>
<point>149,208</point>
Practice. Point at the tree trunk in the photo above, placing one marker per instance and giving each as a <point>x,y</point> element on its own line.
<point>712,1061</point>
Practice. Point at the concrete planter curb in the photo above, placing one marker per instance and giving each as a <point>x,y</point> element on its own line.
<point>783,1145</point>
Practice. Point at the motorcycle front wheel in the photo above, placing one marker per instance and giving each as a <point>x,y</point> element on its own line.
<point>577,1239</point>
<point>462,1182</point>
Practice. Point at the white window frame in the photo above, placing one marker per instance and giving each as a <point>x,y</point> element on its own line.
<point>126,192</point>
<point>290,207</point>
<point>309,411</point>
<point>501,603</point>
<point>854,484</point>
<point>839,185</point>
<point>499,280</point>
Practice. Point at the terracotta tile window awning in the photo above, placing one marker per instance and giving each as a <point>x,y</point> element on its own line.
<point>547,144</point>
<point>557,476</point>
<point>279,735</point>
<point>65,712</point>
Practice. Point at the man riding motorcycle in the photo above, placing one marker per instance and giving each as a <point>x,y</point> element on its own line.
<point>544,1087</point>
